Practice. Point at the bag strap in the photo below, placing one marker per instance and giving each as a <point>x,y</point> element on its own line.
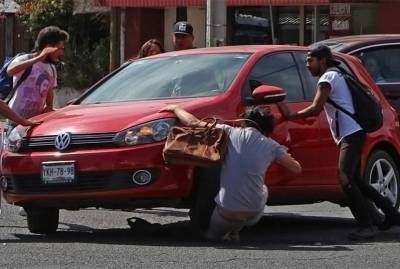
<point>333,103</point>
<point>19,82</point>
<point>214,122</point>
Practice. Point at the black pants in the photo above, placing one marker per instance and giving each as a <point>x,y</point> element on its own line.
<point>356,189</point>
<point>206,187</point>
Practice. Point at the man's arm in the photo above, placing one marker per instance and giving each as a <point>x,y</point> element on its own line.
<point>15,68</point>
<point>8,113</point>
<point>184,117</point>
<point>290,163</point>
<point>314,109</point>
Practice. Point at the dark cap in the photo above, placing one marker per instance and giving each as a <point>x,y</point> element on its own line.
<point>323,51</point>
<point>183,27</point>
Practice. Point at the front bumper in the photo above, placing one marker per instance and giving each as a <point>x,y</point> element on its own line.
<point>101,174</point>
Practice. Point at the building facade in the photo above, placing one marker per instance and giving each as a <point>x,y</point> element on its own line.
<point>299,22</point>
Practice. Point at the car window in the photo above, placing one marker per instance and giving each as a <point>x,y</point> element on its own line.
<point>170,77</point>
<point>279,70</point>
<point>383,63</point>
<point>309,81</point>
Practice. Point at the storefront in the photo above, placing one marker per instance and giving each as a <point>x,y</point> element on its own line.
<point>299,22</point>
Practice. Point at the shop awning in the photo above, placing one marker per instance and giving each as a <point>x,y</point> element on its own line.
<point>151,3</point>
<point>183,3</point>
<point>291,2</point>
<point>275,2</point>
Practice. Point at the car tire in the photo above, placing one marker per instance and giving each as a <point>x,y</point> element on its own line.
<point>42,220</point>
<point>381,165</point>
<point>206,187</point>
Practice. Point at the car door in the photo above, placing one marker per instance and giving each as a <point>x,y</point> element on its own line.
<point>329,153</point>
<point>301,137</point>
<point>383,64</point>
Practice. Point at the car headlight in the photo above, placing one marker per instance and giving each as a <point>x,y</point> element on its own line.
<point>149,132</point>
<point>13,141</point>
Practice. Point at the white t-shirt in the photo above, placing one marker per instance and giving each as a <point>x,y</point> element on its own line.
<point>341,124</point>
<point>249,154</point>
<point>30,97</point>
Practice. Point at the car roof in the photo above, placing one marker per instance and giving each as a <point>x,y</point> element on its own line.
<point>349,43</point>
<point>234,49</point>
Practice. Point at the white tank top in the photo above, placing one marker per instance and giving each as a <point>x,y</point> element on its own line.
<point>341,124</point>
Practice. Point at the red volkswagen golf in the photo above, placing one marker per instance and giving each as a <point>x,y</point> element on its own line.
<point>104,150</point>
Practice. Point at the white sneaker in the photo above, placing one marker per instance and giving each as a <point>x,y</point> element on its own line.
<point>22,212</point>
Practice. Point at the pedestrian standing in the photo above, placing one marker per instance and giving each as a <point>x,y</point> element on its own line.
<point>35,94</point>
<point>151,47</point>
<point>347,134</point>
<point>243,194</point>
<point>183,36</point>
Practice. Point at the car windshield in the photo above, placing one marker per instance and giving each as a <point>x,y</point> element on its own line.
<point>170,77</point>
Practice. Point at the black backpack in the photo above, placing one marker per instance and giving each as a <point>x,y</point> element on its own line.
<point>7,89</point>
<point>367,110</point>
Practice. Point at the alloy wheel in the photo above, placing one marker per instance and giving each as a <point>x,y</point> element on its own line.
<point>383,178</point>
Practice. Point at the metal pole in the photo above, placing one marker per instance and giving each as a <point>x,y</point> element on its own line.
<point>316,27</point>
<point>271,22</point>
<point>302,25</point>
<point>209,23</point>
<point>9,35</point>
<point>114,38</point>
<point>122,37</point>
<point>216,23</point>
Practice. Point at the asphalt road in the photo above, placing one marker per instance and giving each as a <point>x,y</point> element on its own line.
<point>311,236</point>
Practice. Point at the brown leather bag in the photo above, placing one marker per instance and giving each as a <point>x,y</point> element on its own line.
<point>197,146</point>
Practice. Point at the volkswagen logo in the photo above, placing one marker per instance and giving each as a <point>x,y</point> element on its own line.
<point>62,141</point>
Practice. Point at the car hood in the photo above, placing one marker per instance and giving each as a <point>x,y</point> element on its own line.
<point>105,118</point>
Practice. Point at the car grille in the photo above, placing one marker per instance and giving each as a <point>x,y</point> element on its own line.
<point>77,140</point>
<point>93,181</point>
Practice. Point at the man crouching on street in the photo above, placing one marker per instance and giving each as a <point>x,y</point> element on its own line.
<point>243,194</point>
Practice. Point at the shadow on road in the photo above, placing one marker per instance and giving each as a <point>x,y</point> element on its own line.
<point>273,232</point>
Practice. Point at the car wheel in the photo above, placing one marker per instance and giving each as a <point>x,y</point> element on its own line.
<point>42,220</point>
<point>382,173</point>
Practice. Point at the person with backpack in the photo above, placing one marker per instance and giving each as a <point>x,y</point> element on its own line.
<point>34,95</point>
<point>335,97</point>
<point>35,76</point>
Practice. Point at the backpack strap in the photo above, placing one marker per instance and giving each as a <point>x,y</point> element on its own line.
<point>19,82</point>
<point>334,104</point>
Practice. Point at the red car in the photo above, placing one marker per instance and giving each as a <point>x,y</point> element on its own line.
<point>104,150</point>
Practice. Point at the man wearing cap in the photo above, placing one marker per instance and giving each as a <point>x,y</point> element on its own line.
<point>183,36</point>
<point>346,132</point>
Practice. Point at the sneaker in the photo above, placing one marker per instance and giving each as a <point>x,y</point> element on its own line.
<point>235,236</point>
<point>141,225</point>
<point>22,212</point>
<point>232,236</point>
<point>385,225</point>
<point>361,234</point>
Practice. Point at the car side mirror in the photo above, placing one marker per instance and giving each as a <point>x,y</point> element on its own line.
<point>267,94</point>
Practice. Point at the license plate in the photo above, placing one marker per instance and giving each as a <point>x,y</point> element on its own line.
<point>58,172</point>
